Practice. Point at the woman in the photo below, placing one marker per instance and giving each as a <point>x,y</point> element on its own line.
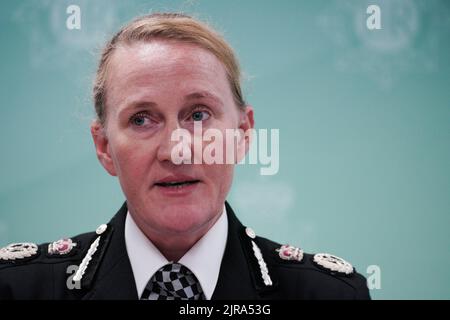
<point>175,237</point>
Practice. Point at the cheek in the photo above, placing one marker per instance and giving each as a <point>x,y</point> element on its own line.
<point>221,175</point>
<point>131,157</point>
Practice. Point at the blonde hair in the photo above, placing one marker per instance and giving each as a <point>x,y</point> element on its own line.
<point>170,26</point>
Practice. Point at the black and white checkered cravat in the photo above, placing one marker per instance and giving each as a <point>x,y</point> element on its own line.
<point>173,282</point>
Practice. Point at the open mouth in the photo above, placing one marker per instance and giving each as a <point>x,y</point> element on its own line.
<point>176,184</point>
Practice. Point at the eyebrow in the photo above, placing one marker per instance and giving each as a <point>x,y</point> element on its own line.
<point>203,95</point>
<point>191,96</point>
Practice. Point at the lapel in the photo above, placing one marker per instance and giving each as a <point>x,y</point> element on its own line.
<point>235,278</point>
<point>114,278</point>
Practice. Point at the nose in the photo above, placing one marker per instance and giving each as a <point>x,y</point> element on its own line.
<point>167,145</point>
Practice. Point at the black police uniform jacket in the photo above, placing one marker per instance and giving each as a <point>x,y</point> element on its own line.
<point>109,274</point>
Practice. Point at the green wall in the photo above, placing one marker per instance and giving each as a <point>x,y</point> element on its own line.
<point>364,119</point>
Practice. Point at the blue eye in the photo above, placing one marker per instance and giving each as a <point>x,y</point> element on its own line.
<point>200,115</point>
<point>139,121</point>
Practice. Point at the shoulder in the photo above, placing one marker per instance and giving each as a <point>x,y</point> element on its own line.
<point>40,266</point>
<point>27,254</point>
<point>310,276</point>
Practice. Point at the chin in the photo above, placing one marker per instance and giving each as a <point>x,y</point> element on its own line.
<point>184,218</point>
<point>182,226</point>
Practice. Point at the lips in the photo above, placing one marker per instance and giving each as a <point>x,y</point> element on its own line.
<point>176,182</point>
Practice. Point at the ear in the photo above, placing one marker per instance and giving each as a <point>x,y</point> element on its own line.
<point>246,124</point>
<point>102,147</point>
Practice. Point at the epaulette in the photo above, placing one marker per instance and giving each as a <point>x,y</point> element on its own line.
<point>269,254</point>
<point>59,251</point>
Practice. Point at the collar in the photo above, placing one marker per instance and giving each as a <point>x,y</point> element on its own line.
<point>203,259</point>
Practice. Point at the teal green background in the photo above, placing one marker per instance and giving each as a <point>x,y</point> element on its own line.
<point>364,120</point>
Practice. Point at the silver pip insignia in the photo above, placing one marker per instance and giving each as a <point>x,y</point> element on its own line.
<point>288,252</point>
<point>61,247</point>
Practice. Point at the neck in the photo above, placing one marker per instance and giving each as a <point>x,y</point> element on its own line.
<point>174,245</point>
<point>177,247</point>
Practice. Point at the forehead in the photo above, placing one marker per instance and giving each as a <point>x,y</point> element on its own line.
<point>162,67</point>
